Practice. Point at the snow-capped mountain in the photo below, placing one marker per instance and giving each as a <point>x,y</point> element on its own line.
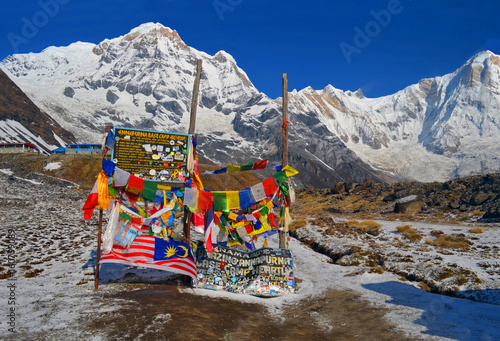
<point>438,129</point>
<point>144,79</point>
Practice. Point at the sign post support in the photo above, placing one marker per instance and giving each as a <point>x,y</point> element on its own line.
<point>96,284</point>
<point>284,230</point>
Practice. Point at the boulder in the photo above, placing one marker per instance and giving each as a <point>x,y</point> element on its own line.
<point>411,204</point>
<point>493,215</point>
<point>339,188</point>
<point>478,198</point>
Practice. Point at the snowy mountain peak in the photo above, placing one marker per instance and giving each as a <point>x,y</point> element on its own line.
<point>479,70</point>
<point>155,30</point>
<point>435,130</point>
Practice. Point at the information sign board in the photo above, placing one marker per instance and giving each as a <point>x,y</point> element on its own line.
<point>151,155</point>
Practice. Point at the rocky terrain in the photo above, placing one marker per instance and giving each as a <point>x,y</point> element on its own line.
<point>364,252</point>
<point>415,230</point>
<point>468,199</point>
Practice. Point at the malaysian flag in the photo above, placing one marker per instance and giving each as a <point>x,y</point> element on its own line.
<point>177,257</point>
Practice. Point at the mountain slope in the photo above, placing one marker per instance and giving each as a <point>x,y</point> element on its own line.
<point>434,130</point>
<point>145,78</point>
<point>438,129</point>
<point>22,121</point>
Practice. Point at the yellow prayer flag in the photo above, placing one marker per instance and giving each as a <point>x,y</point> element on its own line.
<point>233,200</point>
<point>164,188</point>
<point>233,168</point>
<point>233,243</point>
<point>239,224</point>
<point>265,227</point>
<point>232,216</point>
<point>289,171</point>
<point>270,205</point>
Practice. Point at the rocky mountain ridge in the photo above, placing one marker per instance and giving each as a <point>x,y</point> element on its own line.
<point>144,79</point>
<point>22,121</point>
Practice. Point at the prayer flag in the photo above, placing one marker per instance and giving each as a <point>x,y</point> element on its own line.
<point>219,171</point>
<point>220,201</point>
<point>102,191</point>
<point>233,200</point>
<point>108,167</point>
<point>209,221</point>
<point>246,199</point>
<point>260,164</point>
<point>135,184</point>
<point>91,203</point>
<point>258,192</point>
<point>248,166</point>
<point>270,186</point>
<point>290,171</point>
<point>121,177</point>
<point>149,190</point>
<point>232,168</point>
<point>280,177</point>
<point>190,197</point>
<point>155,253</point>
<point>205,200</point>
<point>110,139</point>
<point>198,221</point>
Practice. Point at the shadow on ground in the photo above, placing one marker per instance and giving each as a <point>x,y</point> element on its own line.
<point>442,315</point>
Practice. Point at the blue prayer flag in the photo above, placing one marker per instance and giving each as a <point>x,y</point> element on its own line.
<point>246,199</point>
<point>110,139</point>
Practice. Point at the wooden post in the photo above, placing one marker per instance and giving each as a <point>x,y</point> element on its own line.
<point>284,230</point>
<point>192,124</point>
<point>194,101</point>
<point>96,286</point>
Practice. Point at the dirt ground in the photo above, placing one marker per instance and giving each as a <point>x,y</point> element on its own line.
<point>161,312</point>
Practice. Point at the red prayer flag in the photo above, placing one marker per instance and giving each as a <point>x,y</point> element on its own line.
<point>205,200</point>
<point>270,186</point>
<point>260,164</point>
<point>249,228</point>
<point>135,183</point>
<point>90,203</point>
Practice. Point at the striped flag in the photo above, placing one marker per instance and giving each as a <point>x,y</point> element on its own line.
<point>142,253</point>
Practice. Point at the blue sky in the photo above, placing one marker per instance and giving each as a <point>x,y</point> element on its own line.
<point>378,46</point>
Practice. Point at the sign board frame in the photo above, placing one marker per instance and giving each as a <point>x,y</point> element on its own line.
<point>152,155</point>
<point>265,272</point>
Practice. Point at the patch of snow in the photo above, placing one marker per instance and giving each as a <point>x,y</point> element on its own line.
<point>52,166</point>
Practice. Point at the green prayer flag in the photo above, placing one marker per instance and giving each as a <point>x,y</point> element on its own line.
<point>248,166</point>
<point>281,177</point>
<point>220,201</point>
<point>112,192</point>
<point>125,216</point>
<point>149,190</point>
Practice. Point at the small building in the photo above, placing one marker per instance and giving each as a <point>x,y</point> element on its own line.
<point>60,150</point>
<point>79,148</point>
<point>17,147</point>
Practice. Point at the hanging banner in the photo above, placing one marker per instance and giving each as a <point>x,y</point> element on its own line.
<point>263,272</point>
<point>152,155</point>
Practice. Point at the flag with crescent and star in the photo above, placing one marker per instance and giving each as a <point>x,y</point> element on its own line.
<point>168,250</point>
<point>156,253</point>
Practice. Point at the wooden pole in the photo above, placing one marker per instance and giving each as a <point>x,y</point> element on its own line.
<point>96,286</point>
<point>192,124</point>
<point>194,100</point>
<point>283,231</point>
